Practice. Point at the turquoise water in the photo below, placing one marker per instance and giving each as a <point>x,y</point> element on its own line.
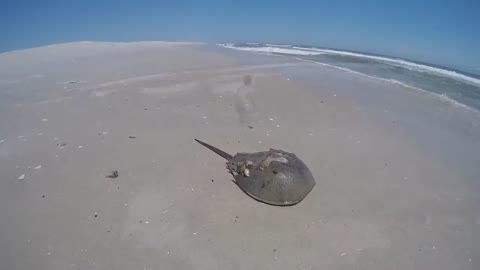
<point>455,86</point>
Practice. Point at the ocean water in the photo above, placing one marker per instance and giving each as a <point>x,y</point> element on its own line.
<point>456,87</point>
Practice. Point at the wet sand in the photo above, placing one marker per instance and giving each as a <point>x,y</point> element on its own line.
<point>397,171</point>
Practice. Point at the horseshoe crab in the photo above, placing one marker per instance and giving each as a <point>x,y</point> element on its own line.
<point>273,177</point>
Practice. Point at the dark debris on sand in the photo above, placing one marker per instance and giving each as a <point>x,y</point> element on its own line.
<point>112,174</point>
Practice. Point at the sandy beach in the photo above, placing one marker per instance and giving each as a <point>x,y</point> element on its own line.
<point>397,170</point>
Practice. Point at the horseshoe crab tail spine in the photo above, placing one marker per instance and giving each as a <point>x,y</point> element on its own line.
<point>216,150</point>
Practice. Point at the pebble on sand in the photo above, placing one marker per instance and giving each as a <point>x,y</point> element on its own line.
<point>61,145</point>
<point>2,141</point>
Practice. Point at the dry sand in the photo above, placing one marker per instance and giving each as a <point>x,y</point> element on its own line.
<point>397,175</point>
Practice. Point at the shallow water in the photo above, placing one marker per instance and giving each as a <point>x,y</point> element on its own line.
<point>458,87</point>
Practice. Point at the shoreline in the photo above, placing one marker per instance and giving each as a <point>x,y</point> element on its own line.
<point>455,87</point>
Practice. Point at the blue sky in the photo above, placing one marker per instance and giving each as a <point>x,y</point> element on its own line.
<point>436,31</point>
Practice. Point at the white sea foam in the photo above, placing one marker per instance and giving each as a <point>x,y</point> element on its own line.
<point>272,50</point>
<point>278,45</point>
<point>417,67</point>
<point>297,50</point>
